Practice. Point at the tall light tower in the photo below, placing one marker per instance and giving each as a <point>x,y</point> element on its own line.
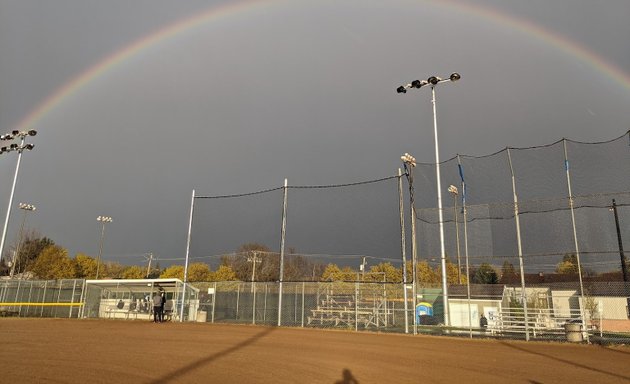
<point>104,220</point>
<point>410,163</point>
<point>19,148</point>
<point>454,192</point>
<point>432,82</point>
<point>26,208</point>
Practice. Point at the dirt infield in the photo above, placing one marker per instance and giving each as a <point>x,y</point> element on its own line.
<point>99,351</point>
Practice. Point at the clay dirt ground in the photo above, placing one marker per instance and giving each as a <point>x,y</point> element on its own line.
<point>117,351</point>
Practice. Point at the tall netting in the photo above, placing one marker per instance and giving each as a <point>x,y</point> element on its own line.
<point>342,224</point>
<point>532,239</point>
<point>222,224</point>
<point>559,210</point>
<point>348,225</point>
<point>560,194</point>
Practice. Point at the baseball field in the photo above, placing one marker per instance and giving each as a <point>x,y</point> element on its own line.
<point>117,351</point>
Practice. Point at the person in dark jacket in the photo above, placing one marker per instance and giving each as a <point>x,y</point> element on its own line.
<point>162,306</point>
<point>483,322</point>
<point>157,307</point>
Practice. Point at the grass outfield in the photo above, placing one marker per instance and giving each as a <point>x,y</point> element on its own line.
<point>117,351</point>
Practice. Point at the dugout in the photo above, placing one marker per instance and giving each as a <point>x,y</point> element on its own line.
<point>132,299</point>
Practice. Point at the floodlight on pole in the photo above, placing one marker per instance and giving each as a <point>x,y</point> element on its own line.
<point>19,148</point>
<point>410,163</point>
<point>454,192</point>
<point>432,82</point>
<point>103,220</point>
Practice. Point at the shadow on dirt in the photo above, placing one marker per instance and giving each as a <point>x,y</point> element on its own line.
<point>565,361</point>
<point>347,378</point>
<point>203,361</point>
<point>627,352</point>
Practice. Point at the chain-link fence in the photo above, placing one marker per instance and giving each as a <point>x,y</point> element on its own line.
<point>41,298</point>
<point>551,311</point>
<point>554,311</point>
<point>351,305</point>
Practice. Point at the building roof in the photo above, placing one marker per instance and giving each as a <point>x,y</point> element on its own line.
<point>477,291</point>
<point>140,285</point>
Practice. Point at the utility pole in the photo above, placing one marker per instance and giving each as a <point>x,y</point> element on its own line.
<point>621,254</point>
<point>149,257</point>
<point>254,260</point>
<point>363,269</point>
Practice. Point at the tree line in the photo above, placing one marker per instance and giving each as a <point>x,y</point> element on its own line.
<point>40,258</point>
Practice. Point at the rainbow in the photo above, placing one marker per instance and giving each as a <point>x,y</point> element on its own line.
<point>118,58</point>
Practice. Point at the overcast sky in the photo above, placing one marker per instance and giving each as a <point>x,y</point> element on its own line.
<point>264,91</point>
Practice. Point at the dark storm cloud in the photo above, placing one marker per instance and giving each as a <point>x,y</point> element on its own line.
<point>300,92</point>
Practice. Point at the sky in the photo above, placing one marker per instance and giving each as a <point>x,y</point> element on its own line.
<point>137,103</point>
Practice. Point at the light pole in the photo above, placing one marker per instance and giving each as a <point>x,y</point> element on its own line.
<point>19,148</point>
<point>26,208</point>
<point>453,190</point>
<point>103,220</point>
<point>432,82</point>
<point>410,162</point>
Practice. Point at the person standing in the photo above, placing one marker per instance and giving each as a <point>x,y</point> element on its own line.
<point>162,306</point>
<point>157,307</point>
<point>483,323</point>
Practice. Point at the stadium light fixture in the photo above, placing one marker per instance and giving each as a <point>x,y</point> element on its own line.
<point>432,81</point>
<point>408,160</point>
<point>19,148</point>
<point>103,220</point>
<point>27,207</point>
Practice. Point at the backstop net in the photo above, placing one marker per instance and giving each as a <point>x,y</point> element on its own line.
<point>532,236</point>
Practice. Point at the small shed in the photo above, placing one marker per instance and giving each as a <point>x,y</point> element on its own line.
<point>485,299</point>
<point>133,299</point>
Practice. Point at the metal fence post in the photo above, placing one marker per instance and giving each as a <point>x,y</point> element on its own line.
<point>303,304</point>
<point>254,303</point>
<point>214,300</point>
<point>44,298</point>
<point>30,295</point>
<point>519,245</point>
<point>356,305</point>
<point>190,223</point>
<point>74,286</point>
<point>238,298</point>
<point>81,299</point>
<point>265,305</point>
<point>575,239</point>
